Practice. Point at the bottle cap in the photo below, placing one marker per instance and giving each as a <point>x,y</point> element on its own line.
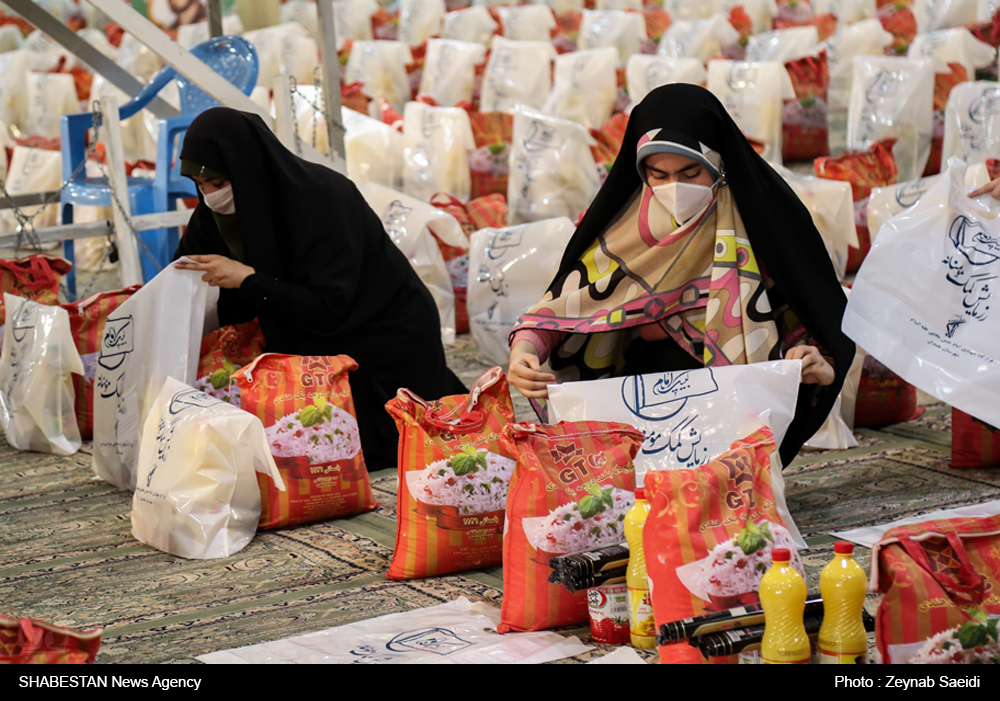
<point>781,555</point>
<point>842,547</point>
<point>640,493</point>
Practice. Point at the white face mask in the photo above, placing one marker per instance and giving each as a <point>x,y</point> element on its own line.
<point>221,200</point>
<point>683,200</point>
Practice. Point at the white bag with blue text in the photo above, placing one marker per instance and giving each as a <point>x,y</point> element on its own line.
<point>921,303</point>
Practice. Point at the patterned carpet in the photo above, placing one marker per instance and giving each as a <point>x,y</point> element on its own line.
<point>68,555</point>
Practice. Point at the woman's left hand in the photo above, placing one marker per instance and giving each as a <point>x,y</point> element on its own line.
<point>992,187</point>
<point>815,369</point>
<point>219,270</point>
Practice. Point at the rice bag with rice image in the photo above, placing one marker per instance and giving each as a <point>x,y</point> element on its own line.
<point>223,352</point>
<point>573,484</point>
<point>710,533</point>
<point>307,409</point>
<point>454,469</point>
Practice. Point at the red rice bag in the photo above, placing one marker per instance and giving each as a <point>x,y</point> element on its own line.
<point>572,487</point>
<point>973,442</point>
<point>454,468</point>
<point>306,407</point>
<point>34,277</point>
<point>488,167</point>
<point>223,352</point>
<point>898,19</point>
<point>488,212</point>
<point>804,123</point>
<point>86,321</point>
<point>33,641</point>
<point>874,167</point>
<point>710,532</point>
<point>457,259</point>
<point>943,83</point>
<point>883,397</point>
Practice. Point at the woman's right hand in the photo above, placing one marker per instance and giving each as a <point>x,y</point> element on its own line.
<point>524,372</point>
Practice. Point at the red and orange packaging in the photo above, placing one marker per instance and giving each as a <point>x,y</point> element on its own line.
<point>454,469</point>
<point>608,606</point>
<point>804,124</point>
<point>223,352</point>
<point>710,532</point>
<point>307,409</point>
<point>572,487</point>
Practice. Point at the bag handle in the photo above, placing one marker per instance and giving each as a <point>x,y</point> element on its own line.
<point>37,274</point>
<point>464,418</point>
<point>971,590</point>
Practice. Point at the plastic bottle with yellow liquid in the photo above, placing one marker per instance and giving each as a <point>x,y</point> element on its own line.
<point>842,584</point>
<point>642,626</point>
<point>783,596</point>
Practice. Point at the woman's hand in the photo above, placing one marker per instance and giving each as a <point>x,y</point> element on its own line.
<point>524,374</point>
<point>219,270</point>
<point>992,187</point>
<point>815,369</point>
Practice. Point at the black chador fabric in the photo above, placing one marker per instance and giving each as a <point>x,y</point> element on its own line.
<point>779,226</point>
<point>328,280</point>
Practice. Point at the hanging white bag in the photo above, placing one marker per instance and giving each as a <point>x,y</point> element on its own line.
<point>941,14</point>
<point>704,39</point>
<point>783,44</point>
<point>509,270</point>
<point>972,123</point>
<point>626,31</point>
<point>585,87</point>
<point>197,494</point>
<point>450,70</point>
<point>154,335</point>
<point>381,66</point>
<point>413,225</point>
<point>552,170</point>
<point>645,73</point>
<point>862,38</point>
<point>374,150</point>
<point>956,45</point>
<point>893,97</point>
<point>36,389</point>
<point>473,24</point>
<point>921,303</point>
<point>527,22</point>
<point>517,72</point>
<point>437,141</point>
<point>689,417</point>
<point>419,20</point>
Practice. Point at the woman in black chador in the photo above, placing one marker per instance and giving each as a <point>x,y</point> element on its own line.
<point>295,245</point>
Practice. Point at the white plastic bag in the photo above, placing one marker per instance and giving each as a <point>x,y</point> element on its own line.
<point>953,46</point>
<point>985,9</point>
<point>687,10</point>
<point>381,66</point>
<point>10,38</point>
<point>509,270</point>
<point>552,171</point>
<point>354,20</point>
<point>154,335</point>
<point>941,14</point>
<point>36,390</point>
<point>635,5</point>
<point>754,94</point>
<point>863,38</point>
<point>437,141</point>
<point>44,53</point>
<point>847,11</point>
<point>450,70</point>
<point>783,44</point>
<point>197,495</point>
<point>458,632</point>
<point>518,72</point>
<point>831,205</point>
<point>921,303</point>
<point>189,35</point>
<point>137,58</point>
<point>972,123</point>
<point>703,39</point>
<point>689,417</point>
<point>644,73</point>
<point>527,22</point>
<point>32,170</point>
<point>13,88</point>
<point>413,225</point>
<point>893,97</point>
<point>585,87</point>
<point>286,49</point>
<point>561,6</point>
<point>138,136</point>
<point>760,11</point>
<point>837,432</point>
<point>50,96</point>
<point>626,31</point>
<point>374,150</point>
<point>419,20</point>
<point>473,24</point>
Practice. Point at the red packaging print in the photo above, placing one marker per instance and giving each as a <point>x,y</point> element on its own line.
<point>572,487</point>
<point>223,352</point>
<point>974,443</point>
<point>86,321</point>
<point>791,13</point>
<point>710,533</point>
<point>33,641</point>
<point>898,19</point>
<point>489,211</point>
<point>306,407</point>
<point>943,83</point>
<point>804,123</point>
<point>608,605</point>
<point>34,277</point>
<point>457,259</point>
<point>883,397</point>
<point>454,468</point>
<point>488,164</point>
<point>873,167</point>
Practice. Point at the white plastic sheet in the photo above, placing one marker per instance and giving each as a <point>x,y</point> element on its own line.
<point>473,24</point>
<point>626,31</point>
<point>450,70</point>
<point>36,389</point>
<point>703,39</point>
<point>893,97</point>
<point>585,87</point>
<point>509,270</point>
<point>862,38</point>
<point>552,171</point>
<point>196,495</point>
<point>689,417</point>
<point>154,335</point>
<point>412,225</point>
<point>527,22</point>
<point>381,66</point>
<point>644,73</point>
<point>374,150</point>
<point>783,44</point>
<point>921,303</point>
<point>437,141</point>
<point>953,46</point>
<point>518,72</point>
<point>459,632</point>
<point>941,14</point>
<point>420,20</point>
<point>972,122</point>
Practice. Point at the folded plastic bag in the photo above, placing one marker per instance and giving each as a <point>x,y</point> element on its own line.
<point>893,97</point>
<point>527,22</point>
<point>437,141</point>
<point>374,150</point>
<point>704,39</point>
<point>473,24</point>
<point>941,14</point>
<point>509,270</point>
<point>626,31</point>
<point>458,632</point>
<point>32,170</point>
<point>846,11</point>
<point>36,389</point>
<point>450,70</point>
<point>972,123</point>
<point>196,494</point>
<point>381,66</point>
<point>928,319</point>
<point>688,417</point>
<point>552,171</point>
<point>644,73</point>
<point>354,20</point>
<point>154,335</point>
<point>518,72</point>
<point>585,87</point>
<point>420,20</point>
<point>753,94</point>
<point>866,37</point>
<point>956,45</point>
<point>759,11</point>
<point>412,225</point>
<point>783,44</point>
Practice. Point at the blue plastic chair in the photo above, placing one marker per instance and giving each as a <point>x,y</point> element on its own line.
<point>232,57</point>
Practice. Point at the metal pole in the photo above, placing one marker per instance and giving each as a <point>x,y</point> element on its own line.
<point>331,82</point>
<point>215,18</point>
<point>128,250</point>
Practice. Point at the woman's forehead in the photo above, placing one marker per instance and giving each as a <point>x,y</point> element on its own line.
<point>669,162</point>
